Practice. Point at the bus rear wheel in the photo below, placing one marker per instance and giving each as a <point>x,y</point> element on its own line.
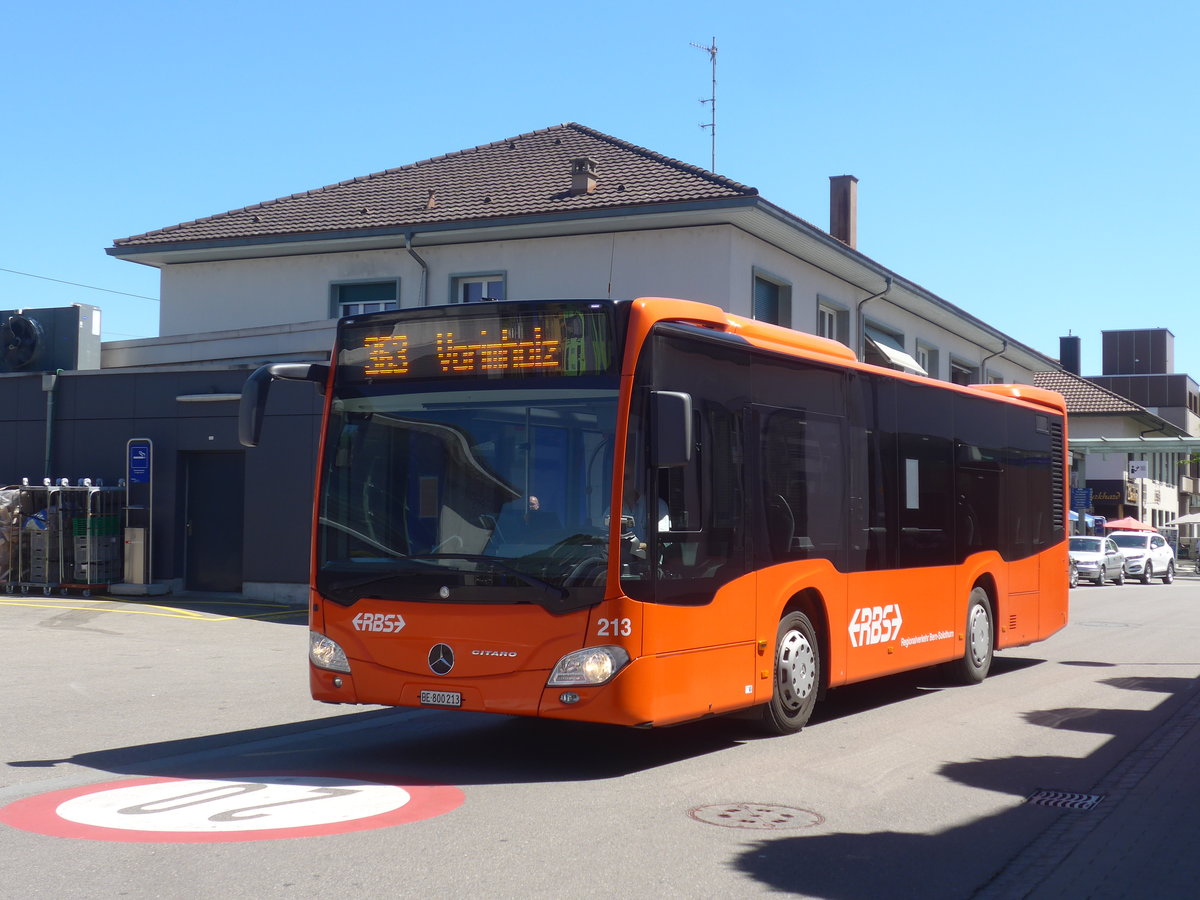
<point>797,675</point>
<point>976,660</point>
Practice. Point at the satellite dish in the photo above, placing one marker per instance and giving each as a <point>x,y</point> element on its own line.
<point>21,342</point>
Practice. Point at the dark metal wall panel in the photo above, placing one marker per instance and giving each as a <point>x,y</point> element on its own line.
<point>97,413</point>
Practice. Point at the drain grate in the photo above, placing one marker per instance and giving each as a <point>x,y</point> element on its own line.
<point>759,816</point>
<point>1065,800</point>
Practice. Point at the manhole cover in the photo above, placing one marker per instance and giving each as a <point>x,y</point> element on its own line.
<point>760,816</point>
<point>1065,800</point>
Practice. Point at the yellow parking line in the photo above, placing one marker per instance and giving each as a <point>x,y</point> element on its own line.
<point>164,612</point>
<point>106,602</point>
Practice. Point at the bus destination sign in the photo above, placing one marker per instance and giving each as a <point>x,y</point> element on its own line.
<point>511,344</point>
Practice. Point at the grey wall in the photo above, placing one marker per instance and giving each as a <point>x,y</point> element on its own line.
<point>96,413</point>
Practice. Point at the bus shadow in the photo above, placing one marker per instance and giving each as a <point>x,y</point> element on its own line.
<point>477,748</point>
<point>905,686</point>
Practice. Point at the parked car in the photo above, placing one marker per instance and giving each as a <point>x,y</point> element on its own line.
<point>1072,572</point>
<point>1097,558</point>
<point>1147,555</point>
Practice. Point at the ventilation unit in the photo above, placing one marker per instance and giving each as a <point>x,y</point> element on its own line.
<point>46,340</point>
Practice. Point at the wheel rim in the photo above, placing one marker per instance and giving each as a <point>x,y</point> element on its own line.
<point>797,668</point>
<point>979,634</point>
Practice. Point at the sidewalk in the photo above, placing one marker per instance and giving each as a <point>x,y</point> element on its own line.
<point>1140,840</point>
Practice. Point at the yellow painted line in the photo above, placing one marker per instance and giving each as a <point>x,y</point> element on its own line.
<point>275,611</point>
<point>105,603</point>
<point>164,612</point>
<point>278,615</point>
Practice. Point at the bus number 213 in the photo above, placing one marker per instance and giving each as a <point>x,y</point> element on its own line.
<point>614,628</point>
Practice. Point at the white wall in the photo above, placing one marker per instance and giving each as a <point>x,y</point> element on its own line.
<point>713,264</point>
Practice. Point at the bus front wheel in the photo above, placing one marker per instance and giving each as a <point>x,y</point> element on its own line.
<point>797,675</point>
<point>973,666</point>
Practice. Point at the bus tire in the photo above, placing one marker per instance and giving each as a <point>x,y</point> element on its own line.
<point>797,674</point>
<point>976,660</point>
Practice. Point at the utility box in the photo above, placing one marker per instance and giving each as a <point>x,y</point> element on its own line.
<point>46,340</point>
<point>135,556</point>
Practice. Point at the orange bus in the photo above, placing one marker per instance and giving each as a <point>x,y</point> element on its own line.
<point>646,512</point>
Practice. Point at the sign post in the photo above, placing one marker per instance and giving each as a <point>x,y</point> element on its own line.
<point>139,518</point>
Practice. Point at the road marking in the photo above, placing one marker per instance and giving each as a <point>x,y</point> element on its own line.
<point>115,604</point>
<point>218,809</point>
<point>164,612</point>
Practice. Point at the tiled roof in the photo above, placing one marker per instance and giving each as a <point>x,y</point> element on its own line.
<point>1084,397</point>
<point>525,175</point>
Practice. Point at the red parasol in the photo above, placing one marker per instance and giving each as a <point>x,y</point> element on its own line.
<point>1128,524</point>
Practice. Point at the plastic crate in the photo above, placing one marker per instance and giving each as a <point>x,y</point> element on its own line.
<point>88,526</point>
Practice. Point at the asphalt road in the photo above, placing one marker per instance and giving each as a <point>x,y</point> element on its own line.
<point>905,787</point>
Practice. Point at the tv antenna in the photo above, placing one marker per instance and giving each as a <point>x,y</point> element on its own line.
<point>711,50</point>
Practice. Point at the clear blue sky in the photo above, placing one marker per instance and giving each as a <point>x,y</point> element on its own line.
<point>1034,163</point>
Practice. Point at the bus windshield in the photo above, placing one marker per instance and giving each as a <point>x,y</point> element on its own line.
<point>491,495</point>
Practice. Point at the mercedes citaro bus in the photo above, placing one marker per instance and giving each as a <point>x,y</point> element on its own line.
<point>646,512</point>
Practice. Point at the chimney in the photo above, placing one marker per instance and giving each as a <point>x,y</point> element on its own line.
<point>583,176</point>
<point>1068,353</point>
<point>843,208</point>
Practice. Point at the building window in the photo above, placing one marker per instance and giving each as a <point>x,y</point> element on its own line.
<point>833,321</point>
<point>357,297</point>
<point>963,372</point>
<point>772,301</point>
<point>927,358</point>
<point>473,288</point>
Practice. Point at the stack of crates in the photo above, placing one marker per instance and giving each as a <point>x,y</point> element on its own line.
<point>97,549</point>
<point>45,563</point>
<point>59,536</point>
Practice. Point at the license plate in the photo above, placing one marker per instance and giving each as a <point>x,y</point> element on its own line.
<point>441,698</point>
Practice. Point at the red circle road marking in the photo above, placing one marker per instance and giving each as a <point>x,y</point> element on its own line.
<point>249,807</point>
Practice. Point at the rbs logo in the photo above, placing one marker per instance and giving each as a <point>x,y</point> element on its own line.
<point>378,622</point>
<point>875,624</point>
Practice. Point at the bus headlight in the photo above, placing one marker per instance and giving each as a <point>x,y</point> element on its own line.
<point>592,665</point>
<point>325,653</point>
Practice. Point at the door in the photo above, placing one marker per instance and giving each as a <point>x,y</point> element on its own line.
<point>213,527</point>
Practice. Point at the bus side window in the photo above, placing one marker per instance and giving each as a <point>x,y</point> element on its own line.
<point>803,502</point>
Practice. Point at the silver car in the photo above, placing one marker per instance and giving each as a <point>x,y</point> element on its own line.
<point>1098,559</point>
<point>1147,555</point>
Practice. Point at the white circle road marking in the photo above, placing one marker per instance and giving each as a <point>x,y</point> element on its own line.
<point>229,808</point>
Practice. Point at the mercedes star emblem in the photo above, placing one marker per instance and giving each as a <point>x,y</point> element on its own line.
<point>441,659</point>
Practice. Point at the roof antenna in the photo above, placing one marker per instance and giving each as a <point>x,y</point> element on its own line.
<point>711,50</point>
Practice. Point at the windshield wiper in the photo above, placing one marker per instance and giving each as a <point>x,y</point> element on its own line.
<point>531,580</point>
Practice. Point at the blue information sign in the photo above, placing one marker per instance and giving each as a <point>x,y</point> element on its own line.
<point>139,462</point>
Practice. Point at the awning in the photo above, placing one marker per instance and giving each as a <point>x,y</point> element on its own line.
<point>888,349</point>
<point>1189,519</point>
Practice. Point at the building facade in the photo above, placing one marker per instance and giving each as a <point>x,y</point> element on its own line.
<point>562,212</point>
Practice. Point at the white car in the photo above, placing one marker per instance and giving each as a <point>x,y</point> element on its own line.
<point>1097,559</point>
<point>1147,555</point>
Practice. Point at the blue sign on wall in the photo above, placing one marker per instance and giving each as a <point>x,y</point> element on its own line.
<point>139,462</point>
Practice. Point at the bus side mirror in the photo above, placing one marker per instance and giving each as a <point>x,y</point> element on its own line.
<point>254,394</point>
<point>671,419</point>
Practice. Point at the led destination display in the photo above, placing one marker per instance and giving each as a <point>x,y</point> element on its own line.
<point>493,344</point>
